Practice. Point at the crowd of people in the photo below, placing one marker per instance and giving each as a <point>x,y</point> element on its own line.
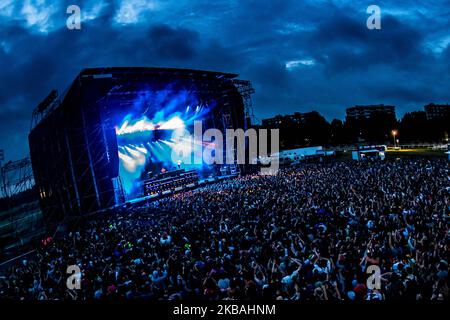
<point>337,231</point>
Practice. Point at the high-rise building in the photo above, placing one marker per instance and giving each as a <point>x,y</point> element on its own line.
<point>284,121</point>
<point>437,111</point>
<point>366,112</point>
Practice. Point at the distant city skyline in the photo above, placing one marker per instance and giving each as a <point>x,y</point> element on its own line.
<point>342,118</point>
<point>300,56</point>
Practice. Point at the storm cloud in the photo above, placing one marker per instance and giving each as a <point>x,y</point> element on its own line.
<point>300,56</point>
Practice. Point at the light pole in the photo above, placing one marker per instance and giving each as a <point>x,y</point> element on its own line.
<point>394,134</point>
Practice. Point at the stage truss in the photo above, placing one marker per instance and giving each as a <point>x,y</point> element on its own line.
<point>16,177</point>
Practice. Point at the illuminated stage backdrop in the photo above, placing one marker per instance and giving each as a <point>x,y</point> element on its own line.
<point>146,144</point>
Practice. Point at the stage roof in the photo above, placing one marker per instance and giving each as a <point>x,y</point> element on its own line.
<point>154,71</point>
<point>125,74</point>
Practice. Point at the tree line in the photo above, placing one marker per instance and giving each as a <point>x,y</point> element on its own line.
<point>314,129</point>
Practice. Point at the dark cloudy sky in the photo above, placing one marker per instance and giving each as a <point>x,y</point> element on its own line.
<point>300,55</point>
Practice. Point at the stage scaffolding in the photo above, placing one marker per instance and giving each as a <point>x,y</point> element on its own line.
<point>246,90</point>
<point>16,177</point>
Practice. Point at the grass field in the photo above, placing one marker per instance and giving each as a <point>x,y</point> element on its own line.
<point>390,153</point>
<point>425,152</point>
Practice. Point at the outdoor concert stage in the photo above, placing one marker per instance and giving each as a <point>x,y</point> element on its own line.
<point>116,133</point>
